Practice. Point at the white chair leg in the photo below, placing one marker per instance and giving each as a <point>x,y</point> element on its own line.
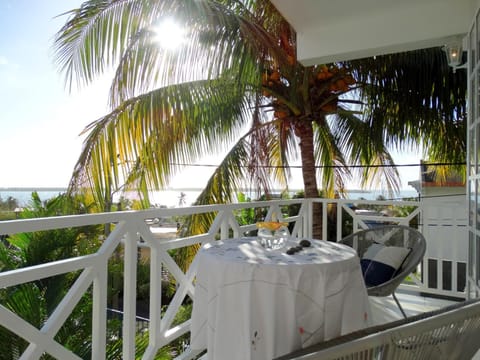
<point>399,306</point>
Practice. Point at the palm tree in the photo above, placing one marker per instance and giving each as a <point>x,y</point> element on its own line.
<point>182,199</point>
<point>237,81</point>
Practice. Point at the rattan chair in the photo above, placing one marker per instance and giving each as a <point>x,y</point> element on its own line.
<point>451,333</point>
<point>390,235</point>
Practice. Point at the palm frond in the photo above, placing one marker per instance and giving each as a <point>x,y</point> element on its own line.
<point>330,161</point>
<point>148,137</point>
<point>103,34</point>
<point>414,92</point>
<point>365,145</point>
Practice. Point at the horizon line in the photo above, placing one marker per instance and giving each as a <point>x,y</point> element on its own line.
<point>58,188</point>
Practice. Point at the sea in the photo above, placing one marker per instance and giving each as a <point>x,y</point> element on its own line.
<point>176,197</point>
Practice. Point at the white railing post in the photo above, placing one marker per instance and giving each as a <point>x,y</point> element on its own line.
<point>99,316</point>
<point>308,219</point>
<point>130,295</point>
<point>155,301</point>
<point>224,233</point>
<point>324,220</point>
<point>339,221</point>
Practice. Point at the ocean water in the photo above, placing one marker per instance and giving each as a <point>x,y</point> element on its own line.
<point>167,198</point>
<point>24,196</point>
<point>171,198</point>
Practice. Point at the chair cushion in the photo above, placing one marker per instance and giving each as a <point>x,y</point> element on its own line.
<point>380,263</point>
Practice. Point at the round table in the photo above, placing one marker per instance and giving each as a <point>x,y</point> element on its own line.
<point>253,303</point>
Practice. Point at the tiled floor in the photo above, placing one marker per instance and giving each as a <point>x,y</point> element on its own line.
<point>384,309</point>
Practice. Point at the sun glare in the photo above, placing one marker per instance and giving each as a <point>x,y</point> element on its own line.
<point>170,35</point>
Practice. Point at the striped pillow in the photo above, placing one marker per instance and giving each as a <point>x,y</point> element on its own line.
<point>380,263</point>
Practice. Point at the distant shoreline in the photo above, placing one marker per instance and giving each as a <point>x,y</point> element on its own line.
<point>171,196</point>
<point>33,189</point>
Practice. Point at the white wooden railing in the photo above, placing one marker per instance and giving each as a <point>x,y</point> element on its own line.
<point>131,231</point>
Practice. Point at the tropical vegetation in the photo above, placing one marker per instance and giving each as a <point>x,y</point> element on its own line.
<point>8,208</point>
<point>234,86</point>
<point>36,301</point>
<point>9,204</point>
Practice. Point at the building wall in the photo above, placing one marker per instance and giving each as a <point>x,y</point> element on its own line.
<point>444,225</point>
<point>473,163</point>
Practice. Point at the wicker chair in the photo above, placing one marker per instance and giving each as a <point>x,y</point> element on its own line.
<point>390,235</point>
<point>451,333</point>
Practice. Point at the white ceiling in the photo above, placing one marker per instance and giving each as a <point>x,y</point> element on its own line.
<point>333,30</point>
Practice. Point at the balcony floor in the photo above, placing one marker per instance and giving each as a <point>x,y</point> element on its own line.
<point>384,309</point>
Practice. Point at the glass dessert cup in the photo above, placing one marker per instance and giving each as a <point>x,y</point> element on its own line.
<point>272,235</point>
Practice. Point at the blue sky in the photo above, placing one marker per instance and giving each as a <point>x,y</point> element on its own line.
<point>40,121</point>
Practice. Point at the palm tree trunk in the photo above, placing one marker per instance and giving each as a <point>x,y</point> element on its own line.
<point>304,131</point>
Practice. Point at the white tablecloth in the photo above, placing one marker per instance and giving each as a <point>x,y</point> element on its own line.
<point>251,303</point>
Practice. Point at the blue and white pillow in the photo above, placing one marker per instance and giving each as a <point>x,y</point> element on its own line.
<point>380,263</point>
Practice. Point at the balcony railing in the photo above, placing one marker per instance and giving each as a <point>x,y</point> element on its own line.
<point>442,272</point>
